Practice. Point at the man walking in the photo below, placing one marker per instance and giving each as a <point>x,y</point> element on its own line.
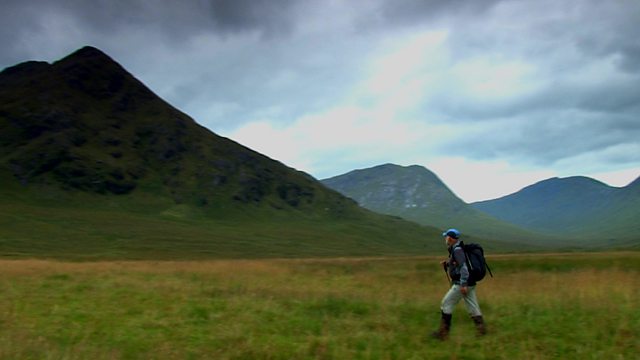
<point>462,287</point>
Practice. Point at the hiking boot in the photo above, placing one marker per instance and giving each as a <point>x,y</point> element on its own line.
<point>481,329</point>
<point>445,325</point>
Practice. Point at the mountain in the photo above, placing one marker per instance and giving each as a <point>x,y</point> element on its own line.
<point>574,207</point>
<point>93,162</point>
<point>395,189</point>
<point>415,193</point>
<point>86,124</point>
<point>634,186</point>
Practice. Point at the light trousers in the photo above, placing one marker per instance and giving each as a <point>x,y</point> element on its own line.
<point>453,297</point>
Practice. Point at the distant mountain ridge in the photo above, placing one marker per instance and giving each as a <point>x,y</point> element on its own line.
<point>574,206</point>
<point>417,194</point>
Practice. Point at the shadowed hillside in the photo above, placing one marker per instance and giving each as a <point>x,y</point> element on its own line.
<point>85,123</point>
<point>575,206</point>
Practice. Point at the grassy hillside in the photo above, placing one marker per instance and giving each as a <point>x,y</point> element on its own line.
<point>575,207</point>
<point>50,222</point>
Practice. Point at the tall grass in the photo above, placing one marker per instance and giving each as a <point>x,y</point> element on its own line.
<point>537,307</point>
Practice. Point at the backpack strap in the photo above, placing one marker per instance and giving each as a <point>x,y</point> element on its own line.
<point>466,258</point>
<point>488,268</point>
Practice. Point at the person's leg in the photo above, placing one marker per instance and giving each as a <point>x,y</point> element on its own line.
<point>473,307</point>
<point>449,301</point>
<point>445,326</point>
<point>471,302</point>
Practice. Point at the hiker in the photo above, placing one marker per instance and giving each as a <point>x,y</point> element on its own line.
<point>462,287</point>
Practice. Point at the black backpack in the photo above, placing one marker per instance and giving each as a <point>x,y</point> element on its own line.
<point>476,263</point>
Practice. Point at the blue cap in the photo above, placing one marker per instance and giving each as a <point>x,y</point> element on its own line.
<point>454,233</point>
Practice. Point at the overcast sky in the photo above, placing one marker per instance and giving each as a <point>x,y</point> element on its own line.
<point>492,96</point>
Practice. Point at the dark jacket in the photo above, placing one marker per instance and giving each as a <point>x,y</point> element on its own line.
<point>457,266</point>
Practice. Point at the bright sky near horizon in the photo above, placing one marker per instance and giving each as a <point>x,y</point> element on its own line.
<point>491,96</point>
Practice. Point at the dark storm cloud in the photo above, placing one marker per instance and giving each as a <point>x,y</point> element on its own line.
<point>180,19</point>
<point>172,22</point>
<point>102,15</point>
<point>267,16</point>
<point>15,18</point>
<point>40,27</point>
<point>585,93</point>
<point>615,97</point>
<point>547,138</point>
<point>612,30</point>
<point>405,12</point>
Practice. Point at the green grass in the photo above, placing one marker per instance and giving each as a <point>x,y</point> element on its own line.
<point>75,225</point>
<point>48,222</point>
<point>368,308</point>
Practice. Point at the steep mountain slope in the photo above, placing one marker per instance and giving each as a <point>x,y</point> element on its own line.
<point>574,206</point>
<point>87,124</point>
<point>83,137</point>
<point>416,194</point>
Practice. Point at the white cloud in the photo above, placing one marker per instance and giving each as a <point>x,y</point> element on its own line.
<point>483,180</point>
<point>491,79</point>
<point>401,58</point>
<point>617,178</point>
<point>312,141</point>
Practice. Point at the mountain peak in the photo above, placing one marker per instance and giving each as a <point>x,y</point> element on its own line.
<point>394,169</point>
<point>385,188</point>
<point>88,52</point>
<point>89,56</point>
<point>58,117</point>
<point>94,73</point>
<point>574,183</point>
<point>85,60</point>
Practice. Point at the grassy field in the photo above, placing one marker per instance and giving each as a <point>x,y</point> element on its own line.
<point>35,223</point>
<point>552,306</point>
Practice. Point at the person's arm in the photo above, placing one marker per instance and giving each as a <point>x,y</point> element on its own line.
<point>460,258</point>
